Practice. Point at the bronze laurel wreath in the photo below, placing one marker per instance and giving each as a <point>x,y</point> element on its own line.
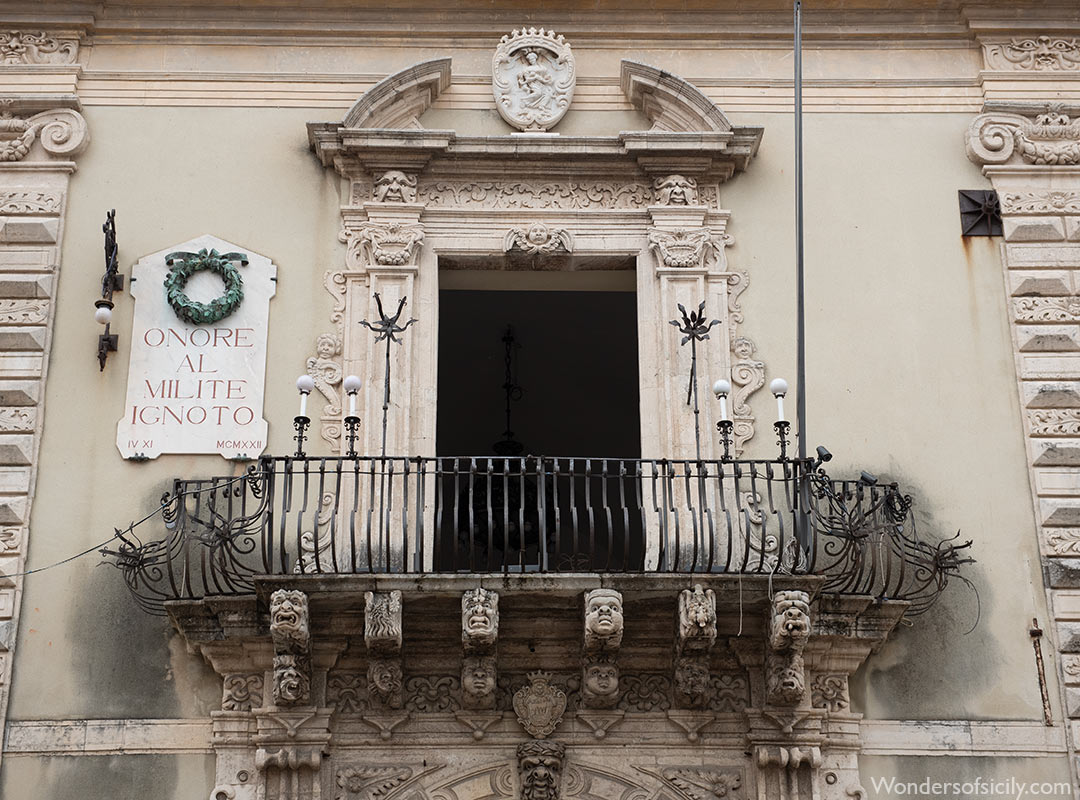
<point>220,307</point>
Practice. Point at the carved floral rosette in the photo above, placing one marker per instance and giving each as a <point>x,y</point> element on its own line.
<point>533,78</point>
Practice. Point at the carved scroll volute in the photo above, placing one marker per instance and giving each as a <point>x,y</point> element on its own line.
<point>290,632</point>
<point>788,632</point>
<point>1048,136</point>
<point>61,132</point>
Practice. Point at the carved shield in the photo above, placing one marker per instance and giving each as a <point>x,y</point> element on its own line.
<point>533,78</point>
<point>539,706</point>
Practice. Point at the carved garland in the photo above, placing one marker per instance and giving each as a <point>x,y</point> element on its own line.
<point>220,307</point>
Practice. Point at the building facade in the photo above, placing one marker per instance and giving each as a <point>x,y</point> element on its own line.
<point>532,555</point>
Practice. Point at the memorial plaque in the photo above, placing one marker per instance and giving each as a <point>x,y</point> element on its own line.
<point>198,352</point>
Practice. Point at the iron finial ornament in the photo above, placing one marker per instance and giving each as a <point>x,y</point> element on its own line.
<point>386,329</point>
<point>111,281</point>
<point>695,328</point>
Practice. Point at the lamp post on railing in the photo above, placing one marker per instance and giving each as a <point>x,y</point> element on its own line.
<point>722,389</point>
<point>352,385</point>
<point>304,384</point>
<point>779,389</point>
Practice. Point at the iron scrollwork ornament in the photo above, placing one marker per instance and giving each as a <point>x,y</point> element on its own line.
<point>222,264</point>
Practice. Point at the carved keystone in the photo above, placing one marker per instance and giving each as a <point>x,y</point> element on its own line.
<point>540,765</point>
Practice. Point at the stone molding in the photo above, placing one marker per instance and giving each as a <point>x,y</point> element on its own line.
<point>1031,154</point>
<point>399,100</point>
<point>39,138</point>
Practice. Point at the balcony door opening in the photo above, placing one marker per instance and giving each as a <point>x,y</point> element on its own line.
<point>554,485</point>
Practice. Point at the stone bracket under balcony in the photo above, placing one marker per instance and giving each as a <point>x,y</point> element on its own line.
<point>449,683</point>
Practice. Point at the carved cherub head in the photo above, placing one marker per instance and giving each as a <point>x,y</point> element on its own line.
<point>604,616</point>
<point>600,683</point>
<point>538,233</point>
<point>327,345</point>
<point>676,190</point>
<point>540,765</point>
<point>478,681</point>
<point>479,616</point>
<point>395,186</point>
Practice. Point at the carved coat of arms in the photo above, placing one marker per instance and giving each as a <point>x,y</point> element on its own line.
<point>540,705</point>
<point>532,76</point>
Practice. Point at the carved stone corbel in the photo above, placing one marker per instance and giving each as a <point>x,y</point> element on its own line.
<point>291,633</point>
<point>695,634</point>
<point>387,244</point>
<point>479,638</point>
<point>603,632</point>
<point>788,631</point>
<point>382,635</point>
<point>291,749</point>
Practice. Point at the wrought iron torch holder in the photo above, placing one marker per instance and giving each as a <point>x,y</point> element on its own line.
<point>352,424</point>
<point>726,427</point>
<point>301,424</point>
<point>782,427</point>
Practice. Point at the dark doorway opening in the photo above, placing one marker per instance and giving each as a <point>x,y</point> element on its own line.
<point>558,488</point>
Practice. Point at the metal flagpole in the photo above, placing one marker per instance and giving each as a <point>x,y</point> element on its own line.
<point>800,312</point>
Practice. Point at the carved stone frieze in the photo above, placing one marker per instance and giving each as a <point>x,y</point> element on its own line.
<point>479,620</point>
<point>686,247</point>
<point>600,682</point>
<point>23,312</point>
<point>788,632</point>
<point>394,186</point>
<point>533,77</point>
<point>385,686</point>
<point>1054,421</point>
<point>478,682</point>
<point>540,705</point>
<point>829,692</point>
<point>1047,309</point>
<point>30,202</point>
<point>433,694</point>
<point>382,621</point>
<point>538,238</point>
<point>346,692</point>
<point>540,767</point>
<point>37,47</point>
<point>645,692</point>
<point>1036,54</point>
<point>391,244</point>
<point>603,620</point>
<point>676,190</point>
<point>1051,201</point>
<point>1049,136</point>
<point>242,692</point>
<point>524,195</point>
<point>729,692</point>
<point>1063,541</point>
<point>696,629</point>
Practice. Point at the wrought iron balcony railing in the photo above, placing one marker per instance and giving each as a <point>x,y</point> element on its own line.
<point>344,515</point>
